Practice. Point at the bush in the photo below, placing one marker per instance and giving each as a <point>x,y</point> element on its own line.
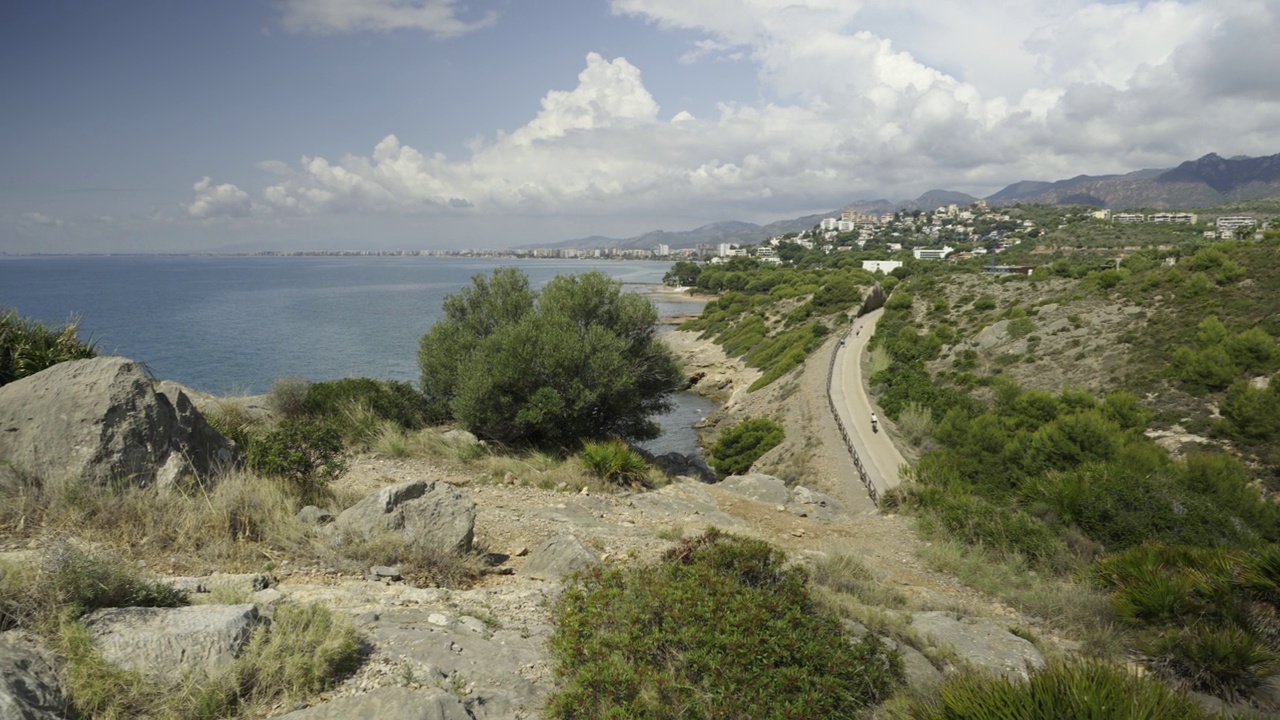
<point>743,444</point>
<point>306,454</point>
<point>287,397</point>
<point>27,347</point>
<point>577,361</point>
<point>614,460</point>
<point>1226,662</point>
<point>719,629</point>
<point>397,402</point>
<point>1060,691</point>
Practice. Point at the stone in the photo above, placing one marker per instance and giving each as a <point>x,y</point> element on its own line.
<point>759,487</point>
<point>810,503</point>
<point>680,465</point>
<point>100,421</point>
<point>982,642</point>
<point>385,571</point>
<point>189,585</point>
<point>460,437</point>
<point>165,642</point>
<point>389,703</point>
<point>312,515</point>
<point>558,557</point>
<point>427,511</point>
<point>29,687</point>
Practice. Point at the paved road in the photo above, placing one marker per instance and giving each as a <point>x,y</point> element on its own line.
<point>880,458</point>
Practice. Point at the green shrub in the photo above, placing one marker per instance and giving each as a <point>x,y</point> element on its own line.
<point>1224,661</point>
<point>390,400</point>
<point>743,444</point>
<point>613,460</point>
<point>306,454</point>
<point>915,422</point>
<point>27,347</point>
<point>1061,691</point>
<point>721,628</point>
<point>287,397</point>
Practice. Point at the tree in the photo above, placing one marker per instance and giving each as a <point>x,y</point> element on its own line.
<point>683,274</point>
<point>577,361</point>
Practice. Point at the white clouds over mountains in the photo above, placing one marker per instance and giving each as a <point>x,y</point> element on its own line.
<point>874,98</point>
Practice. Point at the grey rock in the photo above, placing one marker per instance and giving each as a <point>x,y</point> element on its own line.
<point>460,437</point>
<point>385,571</point>
<point>270,596</point>
<point>677,465</point>
<point>29,688</point>
<point>165,642</point>
<point>813,504</point>
<point>506,672</point>
<point>558,557</point>
<point>101,421</point>
<point>189,585</point>
<point>260,581</point>
<point>389,703</point>
<point>758,486</point>
<point>312,515</point>
<point>428,511</point>
<point>919,671</point>
<point>982,642</point>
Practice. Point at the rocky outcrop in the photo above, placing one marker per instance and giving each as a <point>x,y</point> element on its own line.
<point>558,557</point>
<point>29,688</point>
<point>680,465</point>
<point>166,642</point>
<point>769,489</point>
<point>428,511</point>
<point>101,421</point>
<point>981,642</point>
<point>389,703</point>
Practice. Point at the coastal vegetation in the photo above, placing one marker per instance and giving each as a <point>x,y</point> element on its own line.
<point>721,627</point>
<point>27,346</point>
<point>738,447</point>
<point>577,360</point>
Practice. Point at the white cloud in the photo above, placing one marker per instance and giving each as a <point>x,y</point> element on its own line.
<point>218,200</point>
<point>440,18</point>
<point>35,218</point>
<point>1034,89</point>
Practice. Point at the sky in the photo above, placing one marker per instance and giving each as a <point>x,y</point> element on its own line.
<point>243,125</point>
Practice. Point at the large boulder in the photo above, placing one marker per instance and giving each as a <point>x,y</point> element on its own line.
<point>558,557</point>
<point>29,688</point>
<point>759,487</point>
<point>164,643</point>
<point>427,511</point>
<point>101,421</point>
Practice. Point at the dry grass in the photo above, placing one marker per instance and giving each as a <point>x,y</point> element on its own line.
<point>1074,609</point>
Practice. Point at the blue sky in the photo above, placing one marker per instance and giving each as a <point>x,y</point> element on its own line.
<point>172,126</point>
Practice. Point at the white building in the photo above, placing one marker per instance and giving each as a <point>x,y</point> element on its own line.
<point>725,249</point>
<point>932,253</point>
<point>884,266</point>
<point>1178,218</point>
<point>1128,217</point>
<point>663,250</point>
<point>1227,225</point>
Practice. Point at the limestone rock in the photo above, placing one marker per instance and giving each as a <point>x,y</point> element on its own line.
<point>981,642</point>
<point>812,503</point>
<point>165,642</point>
<point>312,515</point>
<point>558,557</point>
<point>101,421</point>
<point>758,486</point>
<point>430,511</point>
<point>29,688</point>
<point>389,703</point>
<point>460,437</point>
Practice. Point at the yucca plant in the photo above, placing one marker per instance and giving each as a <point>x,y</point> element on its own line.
<point>1225,661</point>
<point>614,460</point>
<point>1060,691</point>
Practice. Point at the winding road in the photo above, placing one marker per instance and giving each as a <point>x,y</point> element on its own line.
<point>880,459</point>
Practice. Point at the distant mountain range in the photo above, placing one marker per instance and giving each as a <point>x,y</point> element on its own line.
<point>1211,180</point>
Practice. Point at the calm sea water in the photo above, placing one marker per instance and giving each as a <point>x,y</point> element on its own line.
<point>232,325</point>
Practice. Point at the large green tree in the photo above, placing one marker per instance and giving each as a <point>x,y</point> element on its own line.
<point>576,361</point>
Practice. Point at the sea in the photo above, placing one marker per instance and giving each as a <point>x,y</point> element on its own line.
<point>233,325</point>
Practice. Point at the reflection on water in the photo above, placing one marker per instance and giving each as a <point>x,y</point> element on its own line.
<point>678,434</point>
